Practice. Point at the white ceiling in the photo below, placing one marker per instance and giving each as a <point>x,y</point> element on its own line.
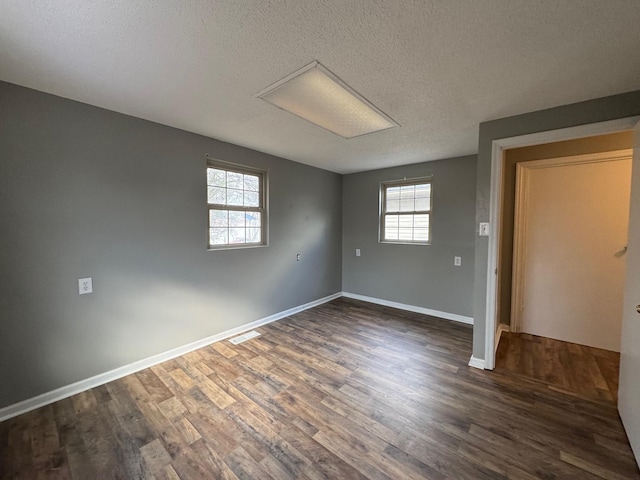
<point>437,67</point>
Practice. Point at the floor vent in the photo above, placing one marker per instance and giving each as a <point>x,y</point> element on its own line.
<point>244,337</point>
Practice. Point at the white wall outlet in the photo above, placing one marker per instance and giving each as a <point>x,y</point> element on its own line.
<point>357,252</point>
<point>85,285</point>
<point>484,229</point>
<point>297,257</point>
<point>457,261</point>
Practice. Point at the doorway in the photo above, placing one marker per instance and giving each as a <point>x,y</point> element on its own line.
<point>570,237</point>
<point>568,217</point>
<point>629,386</point>
<point>505,156</point>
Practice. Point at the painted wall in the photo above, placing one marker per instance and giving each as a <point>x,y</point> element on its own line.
<point>595,144</point>
<point>592,111</point>
<point>417,275</point>
<point>89,192</point>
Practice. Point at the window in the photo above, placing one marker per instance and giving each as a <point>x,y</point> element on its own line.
<point>236,199</point>
<point>405,211</point>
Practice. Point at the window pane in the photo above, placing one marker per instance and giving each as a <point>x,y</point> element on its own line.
<point>423,190</point>
<point>216,177</point>
<point>421,221</point>
<point>393,205</point>
<point>393,199</point>
<point>391,233</point>
<point>235,180</point>
<point>252,183</point>
<point>391,227</point>
<point>253,219</point>
<point>216,195</point>
<point>407,204</point>
<point>236,219</point>
<point>218,236</point>
<point>423,204</point>
<point>235,197</point>
<point>236,235</point>
<point>218,218</point>
<point>407,198</point>
<point>405,234</point>
<point>420,234</point>
<point>251,199</point>
<point>406,221</point>
<point>423,196</point>
<point>253,235</point>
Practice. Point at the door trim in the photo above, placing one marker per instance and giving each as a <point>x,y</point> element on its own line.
<point>495,195</point>
<point>629,358</point>
<point>523,173</point>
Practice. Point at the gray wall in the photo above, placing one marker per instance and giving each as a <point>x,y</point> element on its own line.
<point>419,275</point>
<point>592,111</point>
<point>89,192</point>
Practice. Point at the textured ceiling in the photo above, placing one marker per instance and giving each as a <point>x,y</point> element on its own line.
<point>437,67</point>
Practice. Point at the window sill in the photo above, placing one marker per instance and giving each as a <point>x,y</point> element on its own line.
<point>393,242</point>
<point>235,247</point>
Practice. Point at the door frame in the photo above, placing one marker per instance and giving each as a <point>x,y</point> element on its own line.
<point>523,173</point>
<point>495,199</point>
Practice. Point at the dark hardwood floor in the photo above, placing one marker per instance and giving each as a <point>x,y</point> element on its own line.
<point>575,369</point>
<point>346,390</point>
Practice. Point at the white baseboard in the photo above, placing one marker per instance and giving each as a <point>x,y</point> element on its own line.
<point>501,328</point>
<point>411,308</point>
<point>476,362</point>
<point>102,378</point>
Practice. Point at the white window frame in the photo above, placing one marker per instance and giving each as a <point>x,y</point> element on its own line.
<point>262,208</point>
<point>384,186</point>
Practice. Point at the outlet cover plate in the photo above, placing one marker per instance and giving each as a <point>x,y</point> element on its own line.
<point>85,285</point>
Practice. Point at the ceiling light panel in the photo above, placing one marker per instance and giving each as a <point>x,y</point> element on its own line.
<point>317,95</point>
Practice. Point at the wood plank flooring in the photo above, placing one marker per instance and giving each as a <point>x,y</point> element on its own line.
<point>346,390</point>
<point>579,370</point>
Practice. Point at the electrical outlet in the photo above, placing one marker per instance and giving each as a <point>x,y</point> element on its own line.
<point>297,257</point>
<point>85,285</point>
<point>457,261</point>
<point>357,252</point>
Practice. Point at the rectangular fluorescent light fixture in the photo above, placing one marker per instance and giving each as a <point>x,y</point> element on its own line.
<point>317,95</point>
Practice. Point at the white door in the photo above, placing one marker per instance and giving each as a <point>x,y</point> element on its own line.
<point>571,233</point>
<point>629,390</point>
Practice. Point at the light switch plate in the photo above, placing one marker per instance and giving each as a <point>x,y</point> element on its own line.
<point>457,261</point>
<point>357,252</point>
<point>484,229</point>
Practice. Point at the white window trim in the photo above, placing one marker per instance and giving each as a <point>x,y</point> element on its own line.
<point>263,209</point>
<point>382,212</point>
